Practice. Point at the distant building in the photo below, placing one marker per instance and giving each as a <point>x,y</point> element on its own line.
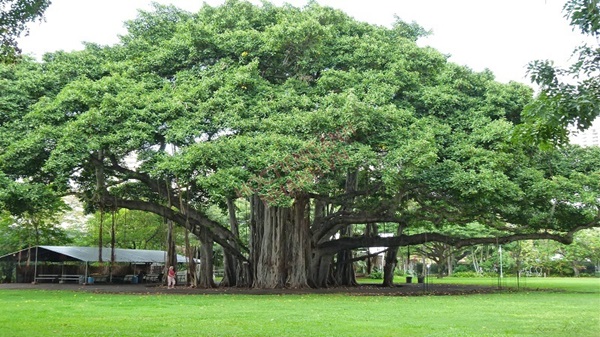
<point>589,137</point>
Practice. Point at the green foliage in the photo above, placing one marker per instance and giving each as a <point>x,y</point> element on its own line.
<point>567,96</point>
<point>376,274</point>
<point>14,16</point>
<point>17,233</point>
<point>133,230</point>
<point>584,14</point>
<point>538,258</point>
<point>466,274</point>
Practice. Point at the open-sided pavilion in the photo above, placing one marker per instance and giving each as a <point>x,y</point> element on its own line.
<point>40,257</point>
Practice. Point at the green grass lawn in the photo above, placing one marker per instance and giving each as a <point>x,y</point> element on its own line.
<point>574,310</point>
<point>584,284</point>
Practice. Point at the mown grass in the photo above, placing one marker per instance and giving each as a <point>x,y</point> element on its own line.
<point>584,284</point>
<point>572,311</point>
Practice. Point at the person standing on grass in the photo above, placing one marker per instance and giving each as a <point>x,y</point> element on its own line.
<point>171,278</point>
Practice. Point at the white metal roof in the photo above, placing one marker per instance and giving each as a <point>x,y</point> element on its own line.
<point>91,254</point>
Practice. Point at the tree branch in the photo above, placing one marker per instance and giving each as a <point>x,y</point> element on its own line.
<point>218,233</point>
<point>346,243</point>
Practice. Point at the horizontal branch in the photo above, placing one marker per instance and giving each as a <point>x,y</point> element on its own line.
<point>347,243</point>
<point>336,221</point>
<point>218,233</point>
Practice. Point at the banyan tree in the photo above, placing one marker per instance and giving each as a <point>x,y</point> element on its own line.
<point>320,127</point>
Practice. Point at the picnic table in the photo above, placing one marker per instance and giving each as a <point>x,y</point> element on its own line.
<point>154,278</point>
<point>46,277</point>
<point>66,278</point>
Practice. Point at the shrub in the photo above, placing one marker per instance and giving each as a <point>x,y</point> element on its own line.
<point>376,274</point>
<point>466,274</point>
<point>463,268</point>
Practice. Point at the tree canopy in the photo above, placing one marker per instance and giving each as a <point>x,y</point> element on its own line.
<point>14,16</point>
<point>319,121</point>
<point>568,97</point>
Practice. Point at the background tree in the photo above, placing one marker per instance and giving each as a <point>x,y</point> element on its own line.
<point>570,96</point>
<point>584,253</point>
<point>133,230</point>
<point>14,16</point>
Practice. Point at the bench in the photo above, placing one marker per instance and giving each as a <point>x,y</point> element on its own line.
<point>181,277</point>
<point>66,278</point>
<point>153,277</point>
<point>100,278</point>
<point>46,277</point>
<point>132,279</point>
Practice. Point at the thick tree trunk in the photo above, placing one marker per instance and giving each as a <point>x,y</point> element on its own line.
<point>321,271</point>
<point>281,247</point>
<point>344,270</point>
<point>315,280</point>
<point>390,265</point>
<point>319,264</point>
<point>391,260</point>
<point>271,264</point>
<point>257,215</point>
<point>245,275</point>
<point>370,230</point>
<point>193,281</point>
<point>298,245</point>
<point>344,274</point>
<point>206,260</point>
<point>231,270</point>
<point>171,254</point>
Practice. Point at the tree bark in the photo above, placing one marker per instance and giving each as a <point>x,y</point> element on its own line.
<point>344,269</point>
<point>343,243</point>
<point>206,260</point>
<point>196,221</point>
<point>298,245</point>
<point>231,270</point>
<point>270,266</point>
<point>100,192</point>
<point>257,215</point>
<point>320,270</point>
<point>171,253</point>
<point>450,266</point>
<point>190,253</point>
<point>370,230</point>
<point>390,265</point>
<point>281,247</point>
<point>391,260</point>
<point>344,274</point>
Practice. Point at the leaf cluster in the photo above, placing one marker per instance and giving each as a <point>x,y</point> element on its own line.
<point>14,16</point>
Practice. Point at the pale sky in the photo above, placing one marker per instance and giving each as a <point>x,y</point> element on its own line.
<point>500,35</point>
